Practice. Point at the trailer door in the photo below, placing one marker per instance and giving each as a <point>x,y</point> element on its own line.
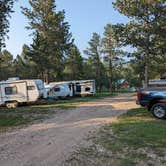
<point>1,99</point>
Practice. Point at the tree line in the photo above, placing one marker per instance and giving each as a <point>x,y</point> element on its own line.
<point>53,56</point>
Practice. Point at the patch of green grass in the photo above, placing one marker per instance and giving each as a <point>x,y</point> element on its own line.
<point>124,91</point>
<point>64,105</point>
<point>126,162</point>
<point>7,121</point>
<point>138,129</point>
<point>10,118</point>
<point>74,102</point>
<point>136,137</point>
<point>100,95</point>
<point>163,162</point>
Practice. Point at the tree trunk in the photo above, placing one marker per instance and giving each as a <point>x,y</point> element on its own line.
<point>98,75</point>
<point>46,76</point>
<point>111,76</point>
<point>147,48</point>
<point>146,75</point>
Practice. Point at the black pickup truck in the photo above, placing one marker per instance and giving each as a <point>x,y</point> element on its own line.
<point>154,99</point>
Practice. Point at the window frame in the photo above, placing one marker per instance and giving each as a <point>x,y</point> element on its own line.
<point>87,89</point>
<point>31,87</point>
<point>59,89</point>
<point>12,91</point>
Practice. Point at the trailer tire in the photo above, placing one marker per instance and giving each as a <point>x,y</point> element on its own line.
<point>83,95</point>
<point>12,104</point>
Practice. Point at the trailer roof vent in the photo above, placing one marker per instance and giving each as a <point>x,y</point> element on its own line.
<point>13,79</point>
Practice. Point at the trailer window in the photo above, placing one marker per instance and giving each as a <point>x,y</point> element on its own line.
<point>30,87</point>
<point>57,89</point>
<point>78,88</point>
<point>11,90</point>
<point>87,89</point>
<point>70,86</point>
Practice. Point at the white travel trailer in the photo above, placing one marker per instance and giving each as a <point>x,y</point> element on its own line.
<point>71,88</point>
<point>157,83</point>
<point>84,87</point>
<point>15,91</point>
<point>59,90</point>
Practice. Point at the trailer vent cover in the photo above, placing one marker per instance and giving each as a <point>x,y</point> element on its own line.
<point>13,79</point>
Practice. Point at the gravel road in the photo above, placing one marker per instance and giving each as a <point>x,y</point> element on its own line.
<point>49,143</point>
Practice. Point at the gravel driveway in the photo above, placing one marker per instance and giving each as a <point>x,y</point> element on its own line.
<point>49,143</point>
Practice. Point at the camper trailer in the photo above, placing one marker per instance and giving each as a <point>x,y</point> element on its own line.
<point>59,90</point>
<point>15,91</point>
<point>71,88</point>
<point>157,83</point>
<point>84,87</point>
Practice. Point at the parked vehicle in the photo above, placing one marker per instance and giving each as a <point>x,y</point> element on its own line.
<point>160,83</point>
<point>154,99</point>
<point>14,91</point>
<point>84,87</point>
<point>59,90</point>
<point>71,88</point>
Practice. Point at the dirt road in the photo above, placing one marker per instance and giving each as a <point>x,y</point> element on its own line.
<point>51,142</point>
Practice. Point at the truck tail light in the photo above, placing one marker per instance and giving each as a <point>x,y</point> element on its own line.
<point>139,94</point>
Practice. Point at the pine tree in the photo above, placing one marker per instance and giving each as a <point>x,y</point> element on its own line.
<point>23,66</point>
<point>111,52</point>
<point>5,64</point>
<point>5,10</point>
<point>94,53</point>
<point>55,38</point>
<point>74,64</point>
<point>145,28</point>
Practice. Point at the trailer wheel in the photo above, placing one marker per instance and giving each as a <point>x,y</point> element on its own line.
<point>159,110</point>
<point>83,95</point>
<point>12,104</point>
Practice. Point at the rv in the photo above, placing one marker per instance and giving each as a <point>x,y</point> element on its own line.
<point>84,87</point>
<point>71,88</point>
<point>59,90</point>
<point>157,83</point>
<point>15,91</point>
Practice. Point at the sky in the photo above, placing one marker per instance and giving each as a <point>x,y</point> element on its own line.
<point>83,16</point>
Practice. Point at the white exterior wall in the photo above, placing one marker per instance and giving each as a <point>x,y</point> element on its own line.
<point>20,96</point>
<point>34,94</point>
<point>1,101</point>
<point>86,84</point>
<point>26,91</point>
<point>89,85</point>
<point>83,83</point>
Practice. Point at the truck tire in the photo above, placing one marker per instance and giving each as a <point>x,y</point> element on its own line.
<point>12,104</point>
<point>159,110</point>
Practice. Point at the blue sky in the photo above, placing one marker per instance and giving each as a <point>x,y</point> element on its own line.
<point>84,17</point>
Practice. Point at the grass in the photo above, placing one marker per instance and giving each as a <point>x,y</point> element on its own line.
<point>11,118</point>
<point>101,95</point>
<point>135,139</point>
<point>124,91</point>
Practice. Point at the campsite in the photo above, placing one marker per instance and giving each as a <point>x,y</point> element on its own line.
<point>82,83</point>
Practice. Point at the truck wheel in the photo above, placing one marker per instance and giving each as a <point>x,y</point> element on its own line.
<point>159,110</point>
<point>12,105</point>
